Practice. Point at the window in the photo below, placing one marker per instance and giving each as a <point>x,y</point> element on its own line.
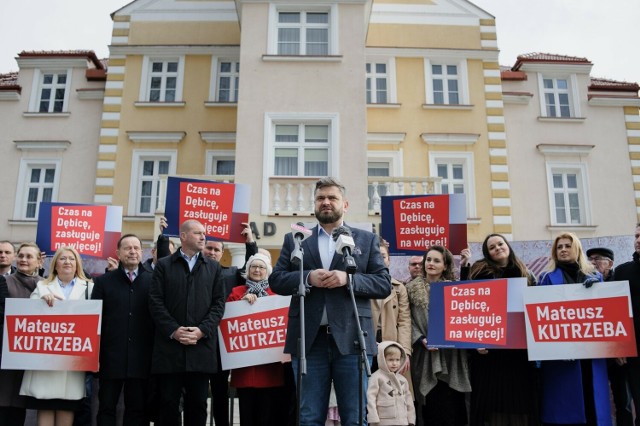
<point>149,168</point>
<point>301,150</point>
<point>227,81</point>
<point>51,93</point>
<point>221,162</point>
<point>557,97</point>
<point>38,182</point>
<point>447,82</point>
<point>303,33</point>
<point>162,79</point>
<point>377,91</point>
<point>567,194</point>
<point>456,171</point>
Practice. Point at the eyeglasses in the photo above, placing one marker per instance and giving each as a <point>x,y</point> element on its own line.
<point>67,259</point>
<point>598,258</point>
<point>415,264</point>
<point>257,267</point>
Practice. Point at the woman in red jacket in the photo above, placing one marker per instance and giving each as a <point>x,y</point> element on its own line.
<point>260,387</point>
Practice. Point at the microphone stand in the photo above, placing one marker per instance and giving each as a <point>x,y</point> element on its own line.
<point>363,365</point>
<point>297,258</point>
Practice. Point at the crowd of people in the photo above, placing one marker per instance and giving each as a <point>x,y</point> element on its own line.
<point>159,349</point>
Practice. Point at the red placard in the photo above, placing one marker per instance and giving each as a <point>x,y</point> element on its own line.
<point>421,222</point>
<point>78,226</point>
<point>260,330</point>
<point>210,203</point>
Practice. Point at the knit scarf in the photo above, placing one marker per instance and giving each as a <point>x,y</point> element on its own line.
<point>258,288</point>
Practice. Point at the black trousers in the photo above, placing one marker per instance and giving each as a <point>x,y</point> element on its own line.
<point>220,397</point>
<point>196,387</point>
<point>11,416</point>
<point>135,400</point>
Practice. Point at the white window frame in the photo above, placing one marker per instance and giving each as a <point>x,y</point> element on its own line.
<point>137,157</point>
<point>22,193</point>
<point>467,161</point>
<point>215,79</point>
<point>272,34</point>
<point>392,95</point>
<point>584,198</point>
<point>393,158</point>
<point>463,80</point>
<point>145,78</point>
<point>215,155</point>
<point>36,93</point>
<point>574,100</point>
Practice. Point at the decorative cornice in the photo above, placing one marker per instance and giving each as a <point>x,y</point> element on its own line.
<point>450,138</point>
<point>218,137</point>
<point>385,138</point>
<point>613,101</point>
<point>563,149</point>
<point>163,137</point>
<point>42,145</point>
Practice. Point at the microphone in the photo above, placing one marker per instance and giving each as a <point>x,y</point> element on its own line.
<point>344,243</point>
<point>299,234</point>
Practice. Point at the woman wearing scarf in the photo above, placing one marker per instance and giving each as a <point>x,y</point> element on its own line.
<point>573,391</point>
<point>260,387</point>
<point>18,285</point>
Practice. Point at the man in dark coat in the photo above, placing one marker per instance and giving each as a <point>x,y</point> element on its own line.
<point>186,301</point>
<point>329,314</point>
<point>127,335</point>
<point>630,271</point>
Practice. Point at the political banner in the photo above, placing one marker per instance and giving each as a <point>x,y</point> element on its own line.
<point>570,321</point>
<point>220,207</point>
<point>65,336</point>
<point>477,314</point>
<point>413,223</point>
<point>254,334</point>
<point>92,230</point>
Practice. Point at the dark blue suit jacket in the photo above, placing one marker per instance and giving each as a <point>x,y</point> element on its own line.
<point>371,281</point>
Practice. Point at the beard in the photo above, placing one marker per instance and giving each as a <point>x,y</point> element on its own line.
<point>328,216</point>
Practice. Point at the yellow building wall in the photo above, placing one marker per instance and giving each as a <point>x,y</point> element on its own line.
<point>423,36</point>
<point>182,33</point>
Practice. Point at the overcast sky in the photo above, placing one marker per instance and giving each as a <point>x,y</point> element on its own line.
<point>605,32</point>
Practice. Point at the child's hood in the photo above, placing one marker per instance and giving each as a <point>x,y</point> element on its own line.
<point>382,363</point>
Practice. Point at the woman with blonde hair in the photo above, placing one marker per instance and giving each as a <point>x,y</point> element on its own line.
<point>57,394</point>
<point>18,285</point>
<point>573,391</point>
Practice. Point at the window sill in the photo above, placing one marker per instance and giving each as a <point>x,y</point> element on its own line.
<point>463,107</point>
<point>389,105</point>
<point>149,219</point>
<point>46,114</point>
<point>23,222</point>
<point>216,104</point>
<point>562,119</point>
<point>573,228</point>
<point>160,104</point>
<point>302,58</point>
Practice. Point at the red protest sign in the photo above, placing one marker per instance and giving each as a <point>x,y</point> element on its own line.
<point>590,320</point>
<point>421,222</point>
<point>260,330</point>
<point>211,203</point>
<point>476,312</point>
<point>78,226</point>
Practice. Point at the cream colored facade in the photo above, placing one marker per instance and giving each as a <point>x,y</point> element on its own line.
<point>50,120</point>
<point>573,159</point>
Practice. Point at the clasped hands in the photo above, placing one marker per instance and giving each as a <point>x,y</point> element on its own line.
<point>188,335</point>
<point>327,279</point>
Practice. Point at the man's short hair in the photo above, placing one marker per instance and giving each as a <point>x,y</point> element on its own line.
<point>127,236</point>
<point>329,181</point>
<point>215,241</point>
<point>10,243</point>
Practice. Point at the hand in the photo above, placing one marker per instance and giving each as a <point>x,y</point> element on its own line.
<point>112,263</point>
<point>163,224</point>
<point>406,366</point>
<point>621,361</point>
<point>590,281</point>
<point>250,297</point>
<point>247,232</point>
<point>188,335</point>
<point>483,351</point>
<point>327,279</point>
<point>50,298</point>
<point>465,255</point>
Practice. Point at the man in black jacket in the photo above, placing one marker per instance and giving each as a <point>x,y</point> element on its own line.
<point>630,271</point>
<point>127,335</point>
<point>186,301</point>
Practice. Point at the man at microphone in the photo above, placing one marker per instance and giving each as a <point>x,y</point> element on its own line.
<point>330,330</point>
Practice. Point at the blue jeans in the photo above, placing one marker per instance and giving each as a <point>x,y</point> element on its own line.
<point>324,364</point>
